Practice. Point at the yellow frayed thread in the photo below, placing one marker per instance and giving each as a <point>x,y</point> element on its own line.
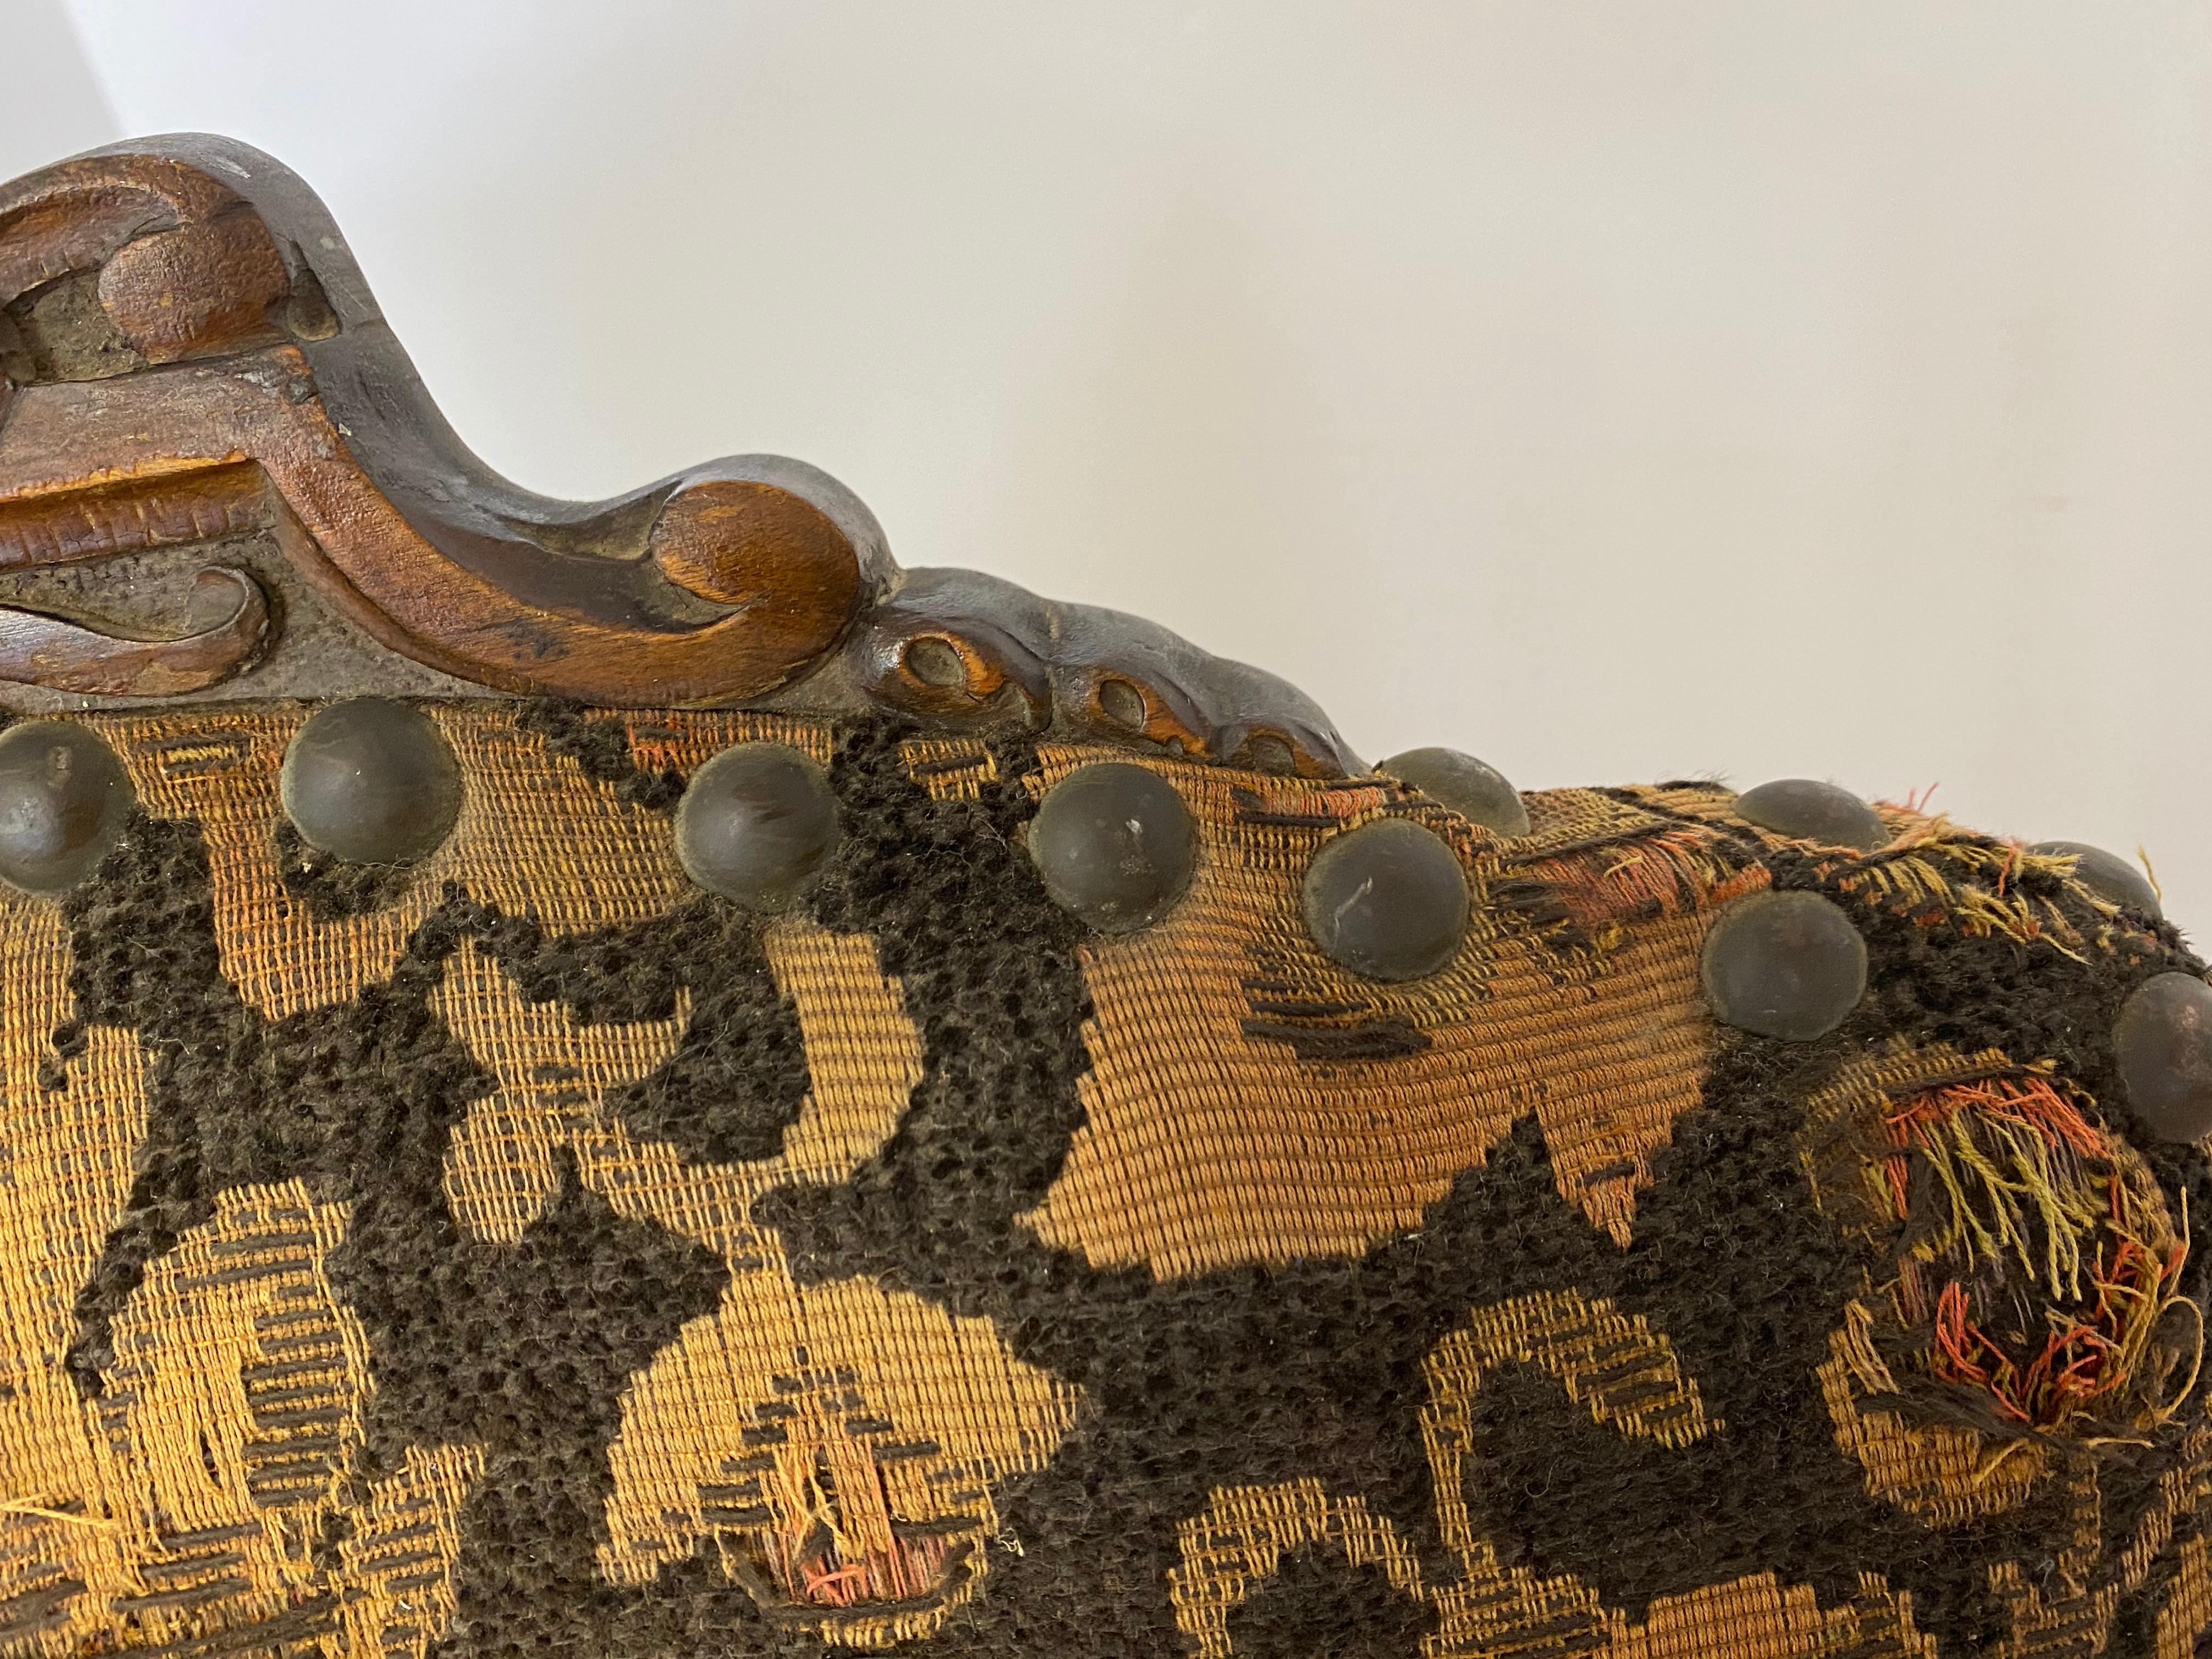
<point>23,1506</point>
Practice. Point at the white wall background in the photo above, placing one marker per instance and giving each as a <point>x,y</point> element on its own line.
<point>1617,390</point>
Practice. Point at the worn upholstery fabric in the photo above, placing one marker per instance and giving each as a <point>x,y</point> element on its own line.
<point>529,1253</point>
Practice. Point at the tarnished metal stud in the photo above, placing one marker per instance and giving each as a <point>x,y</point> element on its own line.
<point>2163,1041</point>
<point>1787,965</point>
<point>2107,875</point>
<point>1475,790</point>
<point>1263,751</point>
<point>1805,809</point>
<point>1123,703</point>
<point>64,800</point>
<point>1115,845</point>
<point>755,822</point>
<point>372,782</point>
<point>1388,900</point>
<point>935,662</point>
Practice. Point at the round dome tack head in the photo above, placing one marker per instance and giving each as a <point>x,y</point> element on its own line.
<point>1263,751</point>
<point>1474,789</point>
<point>1787,965</point>
<point>1805,809</point>
<point>1123,703</point>
<point>372,782</point>
<point>1388,900</point>
<point>935,662</point>
<point>1114,844</point>
<point>2107,875</point>
<point>64,802</point>
<point>755,822</point>
<point>2163,1041</point>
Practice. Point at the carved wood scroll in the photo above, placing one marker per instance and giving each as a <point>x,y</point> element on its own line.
<point>49,650</point>
<point>188,356</point>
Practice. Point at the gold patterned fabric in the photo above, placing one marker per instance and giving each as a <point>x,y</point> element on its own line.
<point>531,1252</point>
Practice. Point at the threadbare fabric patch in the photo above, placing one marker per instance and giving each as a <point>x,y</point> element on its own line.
<point>1250,1101</point>
<point>529,1252</point>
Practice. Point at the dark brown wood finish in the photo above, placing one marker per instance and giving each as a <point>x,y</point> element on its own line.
<point>188,355</point>
<point>965,649</point>
<point>52,651</point>
<point>193,351</point>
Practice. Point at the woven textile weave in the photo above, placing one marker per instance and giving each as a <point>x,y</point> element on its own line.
<point>625,1080</point>
<point>533,1259</point>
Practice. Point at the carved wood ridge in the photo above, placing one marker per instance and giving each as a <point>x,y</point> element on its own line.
<point>189,355</point>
